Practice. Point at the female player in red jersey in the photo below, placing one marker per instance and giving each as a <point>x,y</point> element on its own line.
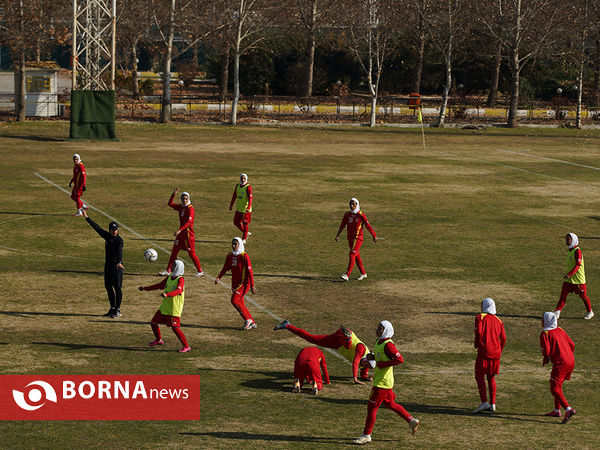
<point>242,192</point>
<point>574,278</point>
<point>78,181</point>
<point>171,307</point>
<point>557,346</point>
<point>184,236</point>
<point>307,368</point>
<point>355,220</point>
<point>386,356</point>
<point>344,341</point>
<point>242,279</point>
<point>490,339</point>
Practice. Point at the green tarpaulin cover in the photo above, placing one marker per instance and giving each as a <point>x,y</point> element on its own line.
<point>93,115</point>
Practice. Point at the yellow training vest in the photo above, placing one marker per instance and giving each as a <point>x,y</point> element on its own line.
<point>349,353</point>
<point>172,306</point>
<point>383,378</point>
<point>579,276</point>
<point>242,198</point>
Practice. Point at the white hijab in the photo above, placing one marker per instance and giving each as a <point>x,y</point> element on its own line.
<point>550,321</point>
<point>177,268</point>
<point>488,306</point>
<point>388,330</point>
<point>189,201</point>
<point>77,154</point>
<point>243,175</point>
<point>574,241</point>
<point>357,209</point>
<point>240,247</point>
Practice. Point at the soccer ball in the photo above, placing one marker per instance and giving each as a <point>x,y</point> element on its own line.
<point>151,255</point>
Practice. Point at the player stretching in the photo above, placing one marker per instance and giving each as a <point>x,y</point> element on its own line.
<point>307,367</point>
<point>489,342</point>
<point>344,341</point>
<point>78,182</point>
<point>557,346</point>
<point>355,219</point>
<point>386,356</point>
<point>184,236</point>
<point>243,210</point>
<point>575,277</point>
<point>242,279</point>
<point>171,307</point>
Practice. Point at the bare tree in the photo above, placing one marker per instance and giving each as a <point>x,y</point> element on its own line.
<point>523,27</point>
<point>371,25</point>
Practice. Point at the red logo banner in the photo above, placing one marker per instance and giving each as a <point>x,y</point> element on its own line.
<point>100,397</point>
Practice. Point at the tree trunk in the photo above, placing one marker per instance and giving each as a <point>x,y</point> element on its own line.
<point>373,117</point>
<point>134,71</point>
<point>165,113</point>
<point>236,65</point>
<point>444,106</point>
<point>493,93</point>
<point>514,91</point>
<point>20,87</point>
<point>420,57</point>
<point>225,73</point>
<point>579,93</point>
<point>596,86</point>
<point>310,46</point>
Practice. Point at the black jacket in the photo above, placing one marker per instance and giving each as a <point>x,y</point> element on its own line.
<point>113,246</point>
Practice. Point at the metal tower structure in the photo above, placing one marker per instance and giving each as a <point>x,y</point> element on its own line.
<point>94,43</point>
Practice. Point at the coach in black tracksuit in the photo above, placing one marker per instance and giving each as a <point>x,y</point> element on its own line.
<point>113,265</point>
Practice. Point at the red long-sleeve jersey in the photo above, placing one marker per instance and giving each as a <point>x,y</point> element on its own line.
<point>186,218</point>
<point>355,223</point>
<point>578,258</point>
<point>391,352</point>
<point>314,354</point>
<point>557,346</point>
<point>489,336</point>
<point>241,270</point>
<point>234,197</point>
<point>178,290</point>
<point>79,177</point>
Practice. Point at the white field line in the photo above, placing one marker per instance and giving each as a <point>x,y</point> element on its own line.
<point>164,250</point>
<point>548,159</point>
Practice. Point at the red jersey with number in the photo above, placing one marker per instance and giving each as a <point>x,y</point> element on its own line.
<point>241,270</point>
<point>489,336</point>
<point>557,346</point>
<point>78,179</point>
<point>186,218</point>
<point>355,222</point>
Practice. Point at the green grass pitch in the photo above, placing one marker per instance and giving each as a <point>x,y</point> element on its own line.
<point>477,214</point>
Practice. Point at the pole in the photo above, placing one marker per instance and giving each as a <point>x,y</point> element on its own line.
<point>422,127</point>
<point>74,49</point>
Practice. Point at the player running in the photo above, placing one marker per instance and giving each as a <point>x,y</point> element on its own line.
<point>575,277</point>
<point>386,356</point>
<point>184,236</point>
<point>79,182</point>
<point>242,279</point>
<point>557,346</point>
<point>171,307</point>
<point>355,220</point>
<point>489,342</point>
<point>307,368</point>
<point>344,341</point>
<point>243,212</point>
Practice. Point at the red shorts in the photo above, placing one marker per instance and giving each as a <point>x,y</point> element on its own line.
<point>574,288</point>
<point>379,396</point>
<point>561,373</point>
<point>487,366</point>
<point>242,217</point>
<point>185,243</point>
<point>170,321</point>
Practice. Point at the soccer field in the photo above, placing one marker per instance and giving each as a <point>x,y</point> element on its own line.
<point>478,214</point>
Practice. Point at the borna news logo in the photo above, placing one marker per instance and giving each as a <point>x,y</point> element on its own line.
<point>34,396</point>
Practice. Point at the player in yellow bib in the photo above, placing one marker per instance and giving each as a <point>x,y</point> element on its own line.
<point>242,193</point>
<point>171,307</point>
<point>574,278</point>
<point>384,358</point>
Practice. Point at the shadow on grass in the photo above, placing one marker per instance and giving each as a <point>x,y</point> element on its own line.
<point>69,346</point>
<point>244,436</point>
<point>455,411</point>
<point>21,213</point>
<point>137,322</point>
<point>92,272</point>
<point>52,314</point>
<point>473,314</point>
<point>33,138</point>
<point>171,240</point>
<point>299,277</point>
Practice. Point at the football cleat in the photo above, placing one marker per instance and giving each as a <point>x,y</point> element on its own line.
<point>199,274</point>
<point>282,326</point>
<point>589,315</point>
<point>362,439</point>
<point>414,424</point>
<point>554,413</point>
<point>78,213</point>
<point>296,388</point>
<point>184,350</point>
<point>159,342</point>
<point>492,407</point>
<point>557,313</point>
<point>362,276</point>
<point>568,414</point>
<point>314,388</point>
<point>164,273</point>
<point>345,278</point>
<point>485,406</point>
